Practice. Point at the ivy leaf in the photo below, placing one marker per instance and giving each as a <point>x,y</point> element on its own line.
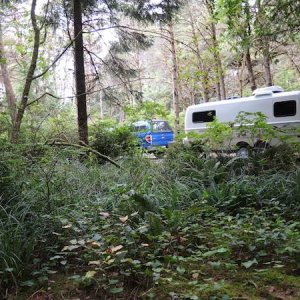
<point>116,290</point>
<point>180,270</point>
<point>90,274</point>
<point>28,283</point>
<point>96,237</point>
<point>213,252</point>
<point>249,263</point>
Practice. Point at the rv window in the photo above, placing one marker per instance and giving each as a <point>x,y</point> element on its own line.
<point>285,108</point>
<point>204,116</point>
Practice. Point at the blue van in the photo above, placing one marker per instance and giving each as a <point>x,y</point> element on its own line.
<point>153,134</point>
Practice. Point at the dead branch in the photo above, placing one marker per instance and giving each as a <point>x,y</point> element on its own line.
<point>87,149</point>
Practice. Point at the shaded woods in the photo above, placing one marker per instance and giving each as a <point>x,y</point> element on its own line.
<point>84,212</point>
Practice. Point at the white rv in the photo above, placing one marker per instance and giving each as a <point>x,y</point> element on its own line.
<point>282,109</point>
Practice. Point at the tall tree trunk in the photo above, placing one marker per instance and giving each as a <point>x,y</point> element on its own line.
<point>29,77</point>
<point>174,76</point>
<point>10,94</point>
<point>80,74</point>
<point>250,69</point>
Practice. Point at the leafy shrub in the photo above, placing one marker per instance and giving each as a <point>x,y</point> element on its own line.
<point>112,140</point>
<point>5,180</point>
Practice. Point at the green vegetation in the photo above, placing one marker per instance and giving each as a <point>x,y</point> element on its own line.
<point>84,213</point>
<point>188,227</point>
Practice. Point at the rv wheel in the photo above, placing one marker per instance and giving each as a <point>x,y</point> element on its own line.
<point>243,152</point>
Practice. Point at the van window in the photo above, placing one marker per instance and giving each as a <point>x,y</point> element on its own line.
<point>203,116</point>
<point>140,128</point>
<point>285,108</point>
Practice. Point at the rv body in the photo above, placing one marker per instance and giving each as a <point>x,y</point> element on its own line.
<point>282,110</point>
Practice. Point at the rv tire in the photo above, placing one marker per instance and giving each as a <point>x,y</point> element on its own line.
<point>243,152</point>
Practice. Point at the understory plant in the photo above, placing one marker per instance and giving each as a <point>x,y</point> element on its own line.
<point>190,226</point>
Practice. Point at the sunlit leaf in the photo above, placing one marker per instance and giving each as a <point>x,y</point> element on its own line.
<point>55,257</point>
<point>95,244</point>
<point>90,274</point>
<point>116,248</point>
<point>104,214</point>
<point>123,219</point>
<point>95,262</point>
<point>67,226</point>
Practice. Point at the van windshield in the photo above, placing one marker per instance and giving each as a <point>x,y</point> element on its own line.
<point>161,126</point>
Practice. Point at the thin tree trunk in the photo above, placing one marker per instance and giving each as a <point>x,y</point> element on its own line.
<point>220,84</point>
<point>200,65</point>
<point>248,37</point>
<point>250,70</point>
<point>101,106</point>
<point>267,62</point>
<point>10,94</point>
<point>80,74</point>
<point>295,65</point>
<point>29,78</point>
<point>240,75</point>
<point>265,47</point>
<point>174,76</point>
<point>220,76</point>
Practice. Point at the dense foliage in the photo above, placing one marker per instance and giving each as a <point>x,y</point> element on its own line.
<point>188,227</point>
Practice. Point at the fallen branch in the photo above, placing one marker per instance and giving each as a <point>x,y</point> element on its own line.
<point>88,149</point>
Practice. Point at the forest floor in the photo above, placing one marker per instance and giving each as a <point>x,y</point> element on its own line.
<point>184,228</point>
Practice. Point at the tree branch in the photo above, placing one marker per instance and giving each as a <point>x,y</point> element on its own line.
<point>87,149</point>
<point>37,99</point>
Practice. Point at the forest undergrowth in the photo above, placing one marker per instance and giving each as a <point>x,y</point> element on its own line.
<point>189,226</point>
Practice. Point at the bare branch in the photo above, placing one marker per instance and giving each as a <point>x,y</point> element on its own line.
<point>39,98</point>
<point>87,149</point>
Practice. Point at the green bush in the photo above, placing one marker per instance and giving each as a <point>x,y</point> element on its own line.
<point>112,140</point>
